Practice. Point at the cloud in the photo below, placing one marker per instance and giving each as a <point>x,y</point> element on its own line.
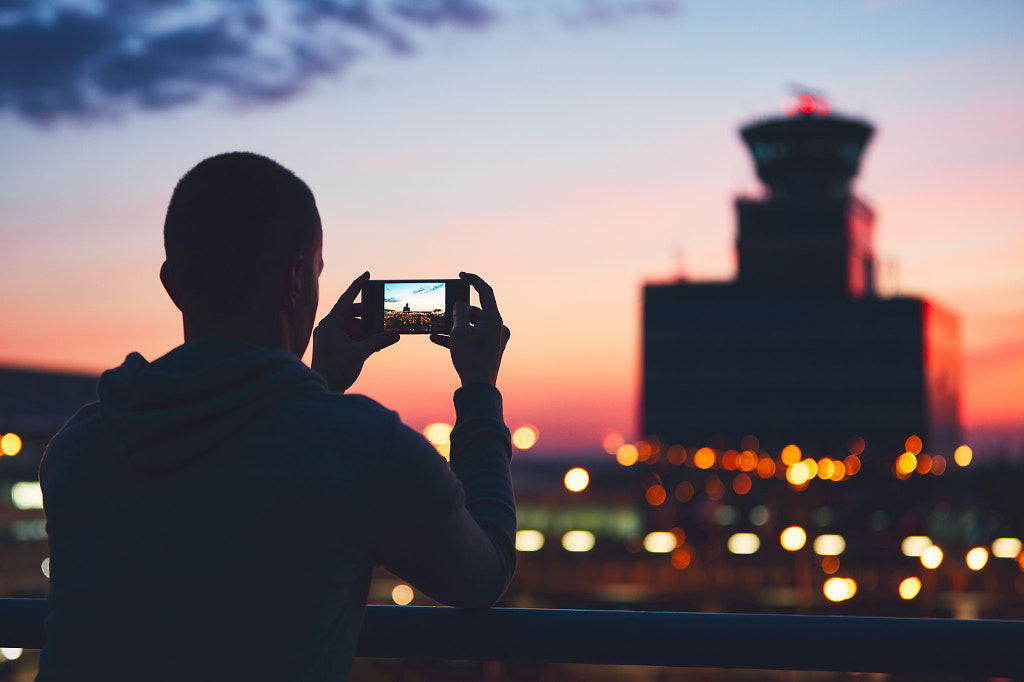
<point>89,59</point>
<point>427,289</point>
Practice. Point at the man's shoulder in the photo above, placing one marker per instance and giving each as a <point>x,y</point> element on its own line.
<point>343,409</point>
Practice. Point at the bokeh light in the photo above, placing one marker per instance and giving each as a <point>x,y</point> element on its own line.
<point>684,491</point>
<point>906,463</point>
<point>681,558</point>
<point>915,545</point>
<point>525,437</point>
<point>704,458</point>
<point>1006,548</point>
<point>963,455</point>
<point>798,473</point>
<point>741,484</point>
<point>938,465</point>
<point>838,470</point>
<point>660,542</point>
<point>656,495</point>
<point>10,653</point>
<point>791,455</point>
<point>766,467</point>
<point>529,540</point>
<point>10,444</point>
<point>676,455</point>
<point>825,468</point>
<point>829,545</point>
<point>839,589</point>
<point>578,541</point>
<point>913,445</point>
<point>577,479</point>
<point>627,455</point>
<point>45,567</point>
<point>793,538</point>
<point>910,587</point>
<point>852,465</point>
<point>402,595</point>
<point>931,557</point>
<point>856,446</point>
<point>439,435</point>
<point>743,543</point>
<point>27,495</point>
<point>976,558</point>
<point>612,441</point>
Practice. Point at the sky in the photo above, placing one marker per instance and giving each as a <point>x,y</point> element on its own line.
<point>566,151</point>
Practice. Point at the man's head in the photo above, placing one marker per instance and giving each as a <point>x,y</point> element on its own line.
<point>242,239</point>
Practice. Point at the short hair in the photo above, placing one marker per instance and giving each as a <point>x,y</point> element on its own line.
<point>233,221</point>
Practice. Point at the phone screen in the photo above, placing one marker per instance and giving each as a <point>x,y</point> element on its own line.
<point>411,306</point>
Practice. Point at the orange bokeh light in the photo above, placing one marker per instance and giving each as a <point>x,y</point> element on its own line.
<point>913,445</point>
<point>791,455</point>
<point>704,458</point>
<point>684,491</point>
<point>656,495</point>
<point>741,484</point>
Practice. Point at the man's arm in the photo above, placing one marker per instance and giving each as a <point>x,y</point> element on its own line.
<point>470,560</point>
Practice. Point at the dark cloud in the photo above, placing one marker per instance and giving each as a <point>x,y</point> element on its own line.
<point>89,59</point>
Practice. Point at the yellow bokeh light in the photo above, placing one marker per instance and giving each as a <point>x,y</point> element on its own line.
<point>578,541</point>
<point>910,587</point>
<point>743,543</point>
<point>791,455</point>
<point>577,479</point>
<point>829,545</point>
<point>977,558</point>
<point>825,468</point>
<point>627,455</point>
<point>963,455</point>
<point>906,463</point>
<point>704,458</point>
<point>10,444</point>
<point>525,437</point>
<point>839,589</point>
<point>1006,548</point>
<point>812,468</point>
<point>660,542</point>
<point>915,545</point>
<point>793,538</point>
<point>798,474</point>
<point>438,433</point>
<point>612,441</point>
<point>529,540</point>
<point>402,595</point>
<point>931,557</point>
<point>913,445</point>
<point>11,653</point>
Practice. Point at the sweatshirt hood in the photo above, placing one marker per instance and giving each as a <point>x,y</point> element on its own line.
<point>181,406</point>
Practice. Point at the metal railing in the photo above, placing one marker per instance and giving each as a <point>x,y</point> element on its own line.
<point>700,640</point>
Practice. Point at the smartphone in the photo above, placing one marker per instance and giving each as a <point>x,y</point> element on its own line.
<point>411,306</point>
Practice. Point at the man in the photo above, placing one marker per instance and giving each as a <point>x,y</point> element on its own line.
<point>218,512</point>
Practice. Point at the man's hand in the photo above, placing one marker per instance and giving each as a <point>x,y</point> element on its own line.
<point>340,347</point>
<point>477,340</point>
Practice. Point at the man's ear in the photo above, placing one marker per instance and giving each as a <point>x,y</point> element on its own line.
<point>170,286</point>
<point>296,286</point>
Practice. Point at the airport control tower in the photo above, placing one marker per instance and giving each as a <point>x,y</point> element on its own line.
<point>800,348</point>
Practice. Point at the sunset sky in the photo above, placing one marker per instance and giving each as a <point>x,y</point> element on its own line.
<point>568,152</point>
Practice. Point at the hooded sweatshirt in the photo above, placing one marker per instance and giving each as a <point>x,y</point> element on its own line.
<point>217,514</point>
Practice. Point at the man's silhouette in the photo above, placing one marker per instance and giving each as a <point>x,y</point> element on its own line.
<point>216,515</point>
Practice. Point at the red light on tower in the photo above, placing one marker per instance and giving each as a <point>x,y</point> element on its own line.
<point>805,103</point>
<point>823,106</point>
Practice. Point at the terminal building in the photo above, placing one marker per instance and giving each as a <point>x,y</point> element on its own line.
<point>800,347</point>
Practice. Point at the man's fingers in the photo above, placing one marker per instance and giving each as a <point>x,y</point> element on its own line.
<point>348,297</point>
<point>460,315</point>
<point>380,341</point>
<point>487,301</point>
<point>441,340</point>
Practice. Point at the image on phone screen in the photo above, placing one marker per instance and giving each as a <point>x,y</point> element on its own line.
<point>414,307</point>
